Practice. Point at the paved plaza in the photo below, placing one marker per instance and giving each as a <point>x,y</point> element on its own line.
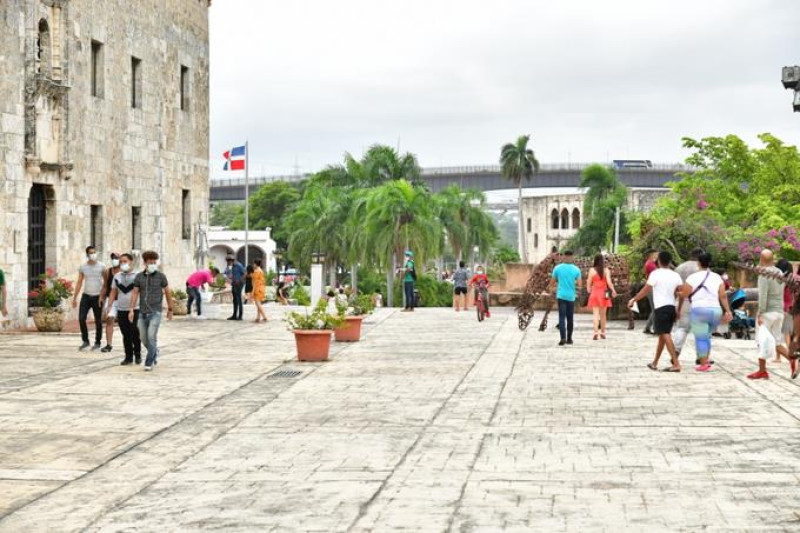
<point>432,423</point>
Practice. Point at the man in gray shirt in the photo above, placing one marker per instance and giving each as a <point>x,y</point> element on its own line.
<point>684,323</point>
<point>92,278</point>
<point>770,310</point>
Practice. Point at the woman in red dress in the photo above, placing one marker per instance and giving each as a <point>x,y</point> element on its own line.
<point>601,291</point>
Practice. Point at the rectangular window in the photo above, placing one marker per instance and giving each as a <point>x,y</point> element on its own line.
<point>136,228</point>
<point>529,225</point>
<point>186,215</point>
<point>97,69</point>
<point>535,240</point>
<point>136,83</point>
<point>96,227</point>
<point>184,88</point>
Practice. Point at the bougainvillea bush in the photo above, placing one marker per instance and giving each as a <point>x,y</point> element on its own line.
<point>784,242</point>
<point>51,292</point>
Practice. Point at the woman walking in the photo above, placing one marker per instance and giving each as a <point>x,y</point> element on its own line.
<point>706,291</point>
<point>601,292</point>
<point>259,291</point>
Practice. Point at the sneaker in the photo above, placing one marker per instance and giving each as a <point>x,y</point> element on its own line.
<point>569,341</point>
<point>126,362</point>
<point>96,347</point>
<point>647,331</point>
<point>758,375</point>
<point>107,348</point>
<point>200,317</point>
<point>231,318</point>
<point>704,368</point>
<point>148,368</point>
<point>697,361</point>
<point>138,361</point>
<point>83,346</point>
<point>562,342</point>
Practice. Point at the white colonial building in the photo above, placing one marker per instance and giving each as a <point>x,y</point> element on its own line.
<point>552,216</point>
<point>222,242</point>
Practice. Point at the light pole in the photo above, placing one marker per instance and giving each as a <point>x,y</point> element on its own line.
<point>278,255</point>
<point>790,76</point>
<point>317,260</point>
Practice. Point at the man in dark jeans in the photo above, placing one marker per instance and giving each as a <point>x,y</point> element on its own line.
<point>122,294</point>
<point>409,276</point>
<point>92,278</point>
<point>568,278</point>
<point>235,273</point>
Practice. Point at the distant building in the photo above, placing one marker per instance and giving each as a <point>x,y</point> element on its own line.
<point>104,123</point>
<point>553,217</point>
<point>223,242</point>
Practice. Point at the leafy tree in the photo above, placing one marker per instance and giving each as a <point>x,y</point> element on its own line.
<point>518,163</point>
<point>605,193</point>
<point>270,206</point>
<point>505,254</point>
<point>224,213</point>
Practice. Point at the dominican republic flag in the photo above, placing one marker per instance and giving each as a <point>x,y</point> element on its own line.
<point>234,158</point>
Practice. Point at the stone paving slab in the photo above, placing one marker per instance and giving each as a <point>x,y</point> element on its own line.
<point>432,423</point>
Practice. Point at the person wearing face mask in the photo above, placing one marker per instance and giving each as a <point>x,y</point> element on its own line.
<point>109,310</point>
<point>91,278</point>
<point>480,281</point>
<point>152,286</point>
<point>121,299</point>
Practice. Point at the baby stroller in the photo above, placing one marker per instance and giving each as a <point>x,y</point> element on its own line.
<point>741,325</point>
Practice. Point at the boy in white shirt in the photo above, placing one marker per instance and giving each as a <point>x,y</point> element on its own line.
<point>664,283</point>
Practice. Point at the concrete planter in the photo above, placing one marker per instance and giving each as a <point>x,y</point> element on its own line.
<point>179,308</point>
<point>313,344</point>
<point>48,320</point>
<point>350,331</point>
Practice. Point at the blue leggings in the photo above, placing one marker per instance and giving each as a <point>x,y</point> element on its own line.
<point>704,322</point>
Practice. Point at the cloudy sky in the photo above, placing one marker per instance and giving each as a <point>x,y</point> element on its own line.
<point>591,80</point>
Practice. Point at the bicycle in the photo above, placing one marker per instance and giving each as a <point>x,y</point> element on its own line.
<point>480,304</point>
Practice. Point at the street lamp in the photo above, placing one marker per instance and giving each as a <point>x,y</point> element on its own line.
<point>278,254</point>
<point>318,258</point>
<point>790,76</point>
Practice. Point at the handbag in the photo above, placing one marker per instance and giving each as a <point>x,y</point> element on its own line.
<point>701,286</point>
<point>608,294</point>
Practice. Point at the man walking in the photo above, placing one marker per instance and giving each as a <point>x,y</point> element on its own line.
<point>121,298</point>
<point>684,324</point>
<point>565,280</point>
<point>152,286</point>
<point>91,277</point>
<point>664,284</point>
<point>196,283</point>
<point>235,274</point>
<point>770,311</point>
<point>409,277</point>
<point>650,265</point>
<point>109,311</point>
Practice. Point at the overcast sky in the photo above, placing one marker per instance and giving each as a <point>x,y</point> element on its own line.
<point>590,80</point>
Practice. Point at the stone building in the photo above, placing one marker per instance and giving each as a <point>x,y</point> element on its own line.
<point>104,128</point>
<point>553,216</point>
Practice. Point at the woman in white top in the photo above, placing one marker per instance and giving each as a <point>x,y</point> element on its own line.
<point>706,291</point>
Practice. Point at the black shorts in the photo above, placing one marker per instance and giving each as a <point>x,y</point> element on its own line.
<point>460,290</point>
<point>664,319</point>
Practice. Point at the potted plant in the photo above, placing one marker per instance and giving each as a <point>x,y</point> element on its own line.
<point>46,301</point>
<point>312,332</point>
<point>353,314</point>
<point>179,299</point>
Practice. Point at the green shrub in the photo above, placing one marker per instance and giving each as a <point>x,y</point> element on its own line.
<point>301,295</point>
<point>432,293</point>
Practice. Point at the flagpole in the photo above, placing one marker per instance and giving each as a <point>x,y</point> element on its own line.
<point>247,203</point>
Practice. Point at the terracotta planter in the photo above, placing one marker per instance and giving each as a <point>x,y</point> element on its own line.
<point>48,320</point>
<point>179,308</point>
<point>313,344</point>
<point>350,331</point>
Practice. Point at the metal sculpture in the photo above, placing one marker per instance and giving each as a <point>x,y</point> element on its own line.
<point>537,286</point>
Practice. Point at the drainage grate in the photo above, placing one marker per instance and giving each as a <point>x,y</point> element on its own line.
<point>285,374</point>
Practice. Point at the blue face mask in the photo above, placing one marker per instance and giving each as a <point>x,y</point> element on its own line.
<point>152,267</point>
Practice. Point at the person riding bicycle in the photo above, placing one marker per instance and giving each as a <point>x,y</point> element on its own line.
<point>480,281</point>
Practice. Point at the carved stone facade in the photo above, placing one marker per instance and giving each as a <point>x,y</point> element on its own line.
<point>550,220</point>
<point>104,124</point>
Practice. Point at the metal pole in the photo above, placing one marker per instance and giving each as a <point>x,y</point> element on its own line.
<point>616,231</point>
<point>247,203</point>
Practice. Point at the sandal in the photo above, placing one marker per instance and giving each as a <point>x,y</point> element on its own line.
<point>595,337</point>
<point>671,369</point>
<point>603,336</point>
<point>653,367</point>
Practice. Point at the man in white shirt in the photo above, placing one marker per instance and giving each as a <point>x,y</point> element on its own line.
<point>664,284</point>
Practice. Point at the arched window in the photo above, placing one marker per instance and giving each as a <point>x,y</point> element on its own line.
<point>554,219</point>
<point>564,219</point>
<point>43,48</point>
<point>576,218</point>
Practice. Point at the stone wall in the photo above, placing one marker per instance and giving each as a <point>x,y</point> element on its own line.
<point>97,149</point>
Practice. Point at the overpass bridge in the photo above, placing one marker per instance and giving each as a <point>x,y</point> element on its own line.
<point>483,178</point>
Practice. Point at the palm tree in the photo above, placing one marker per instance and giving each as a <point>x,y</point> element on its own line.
<point>380,164</point>
<point>399,215</point>
<point>518,162</point>
<point>601,182</point>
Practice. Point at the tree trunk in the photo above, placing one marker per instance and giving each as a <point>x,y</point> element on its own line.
<point>523,252</point>
<point>390,280</point>
<point>354,278</point>
<point>332,275</point>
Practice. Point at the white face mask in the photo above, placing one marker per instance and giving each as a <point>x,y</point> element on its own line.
<point>125,267</point>
<point>115,262</point>
<point>152,267</point>
<point>92,257</point>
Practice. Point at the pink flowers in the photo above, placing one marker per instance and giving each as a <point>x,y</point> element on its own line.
<point>783,241</point>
